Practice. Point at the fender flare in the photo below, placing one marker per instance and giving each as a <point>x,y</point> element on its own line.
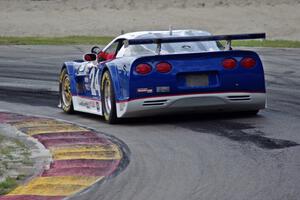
<point>114,75</point>
<point>69,66</point>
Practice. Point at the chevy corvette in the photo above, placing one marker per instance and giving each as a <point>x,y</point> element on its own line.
<point>156,72</point>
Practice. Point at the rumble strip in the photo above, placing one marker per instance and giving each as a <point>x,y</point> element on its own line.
<point>80,157</point>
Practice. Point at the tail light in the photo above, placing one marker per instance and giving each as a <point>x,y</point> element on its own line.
<point>248,63</point>
<point>163,67</point>
<point>143,69</point>
<point>229,63</point>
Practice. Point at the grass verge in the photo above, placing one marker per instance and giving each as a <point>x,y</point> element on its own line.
<point>7,185</point>
<point>102,40</point>
<point>268,43</point>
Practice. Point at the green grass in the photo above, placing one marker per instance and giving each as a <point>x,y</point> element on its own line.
<point>102,40</point>
<point>7,185</point>
<point>68,40</point>
<point>268,43</point>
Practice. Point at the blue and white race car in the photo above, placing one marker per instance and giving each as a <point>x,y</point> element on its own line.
<point>156,72</point>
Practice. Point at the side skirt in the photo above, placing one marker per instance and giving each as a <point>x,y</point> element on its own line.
<point>87,105</point>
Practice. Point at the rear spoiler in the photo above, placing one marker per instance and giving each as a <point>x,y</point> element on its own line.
<point>228,38</point>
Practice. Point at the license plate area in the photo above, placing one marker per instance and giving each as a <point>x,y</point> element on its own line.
<point>196,80</point>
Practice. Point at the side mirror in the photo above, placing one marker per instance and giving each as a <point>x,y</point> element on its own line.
<point>90,57</point>
<point>95,50</point>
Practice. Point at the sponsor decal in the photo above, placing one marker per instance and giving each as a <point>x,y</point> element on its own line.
<point>87,104</point>
<point>98,106</point>
<point>162,89</point>
<point>145,90</point>
<point>122,106</point>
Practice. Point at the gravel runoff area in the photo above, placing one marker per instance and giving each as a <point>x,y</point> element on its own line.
<point>279,18</point>
<point>20,158</point>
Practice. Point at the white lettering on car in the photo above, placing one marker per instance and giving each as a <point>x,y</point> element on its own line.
<point>95,82</point>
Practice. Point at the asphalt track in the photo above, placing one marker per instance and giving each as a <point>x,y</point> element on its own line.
<point>179,157</point>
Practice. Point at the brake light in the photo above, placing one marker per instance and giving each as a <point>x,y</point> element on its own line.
<point>248,63</point>
<point>143,69</point>
<point>229,63</point>
<point>163,67</point>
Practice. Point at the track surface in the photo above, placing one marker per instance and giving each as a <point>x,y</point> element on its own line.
<point>179,157</point>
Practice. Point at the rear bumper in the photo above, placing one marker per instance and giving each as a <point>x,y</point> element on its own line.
<point>212,102</point>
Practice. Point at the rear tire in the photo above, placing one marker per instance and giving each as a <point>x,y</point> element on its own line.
<point>65,92</point>
<point>108,99</point>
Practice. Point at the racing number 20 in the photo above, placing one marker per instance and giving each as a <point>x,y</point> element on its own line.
<point>95,82</point>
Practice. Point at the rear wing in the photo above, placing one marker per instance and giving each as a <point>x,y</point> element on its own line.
<point>228,38</point>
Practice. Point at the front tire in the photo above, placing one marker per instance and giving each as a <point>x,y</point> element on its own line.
<point>65,92</point>
<point>108,99</point>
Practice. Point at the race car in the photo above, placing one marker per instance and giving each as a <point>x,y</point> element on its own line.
<point>163,72</point>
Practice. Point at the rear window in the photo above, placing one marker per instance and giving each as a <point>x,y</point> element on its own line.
<point>172,48</point>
